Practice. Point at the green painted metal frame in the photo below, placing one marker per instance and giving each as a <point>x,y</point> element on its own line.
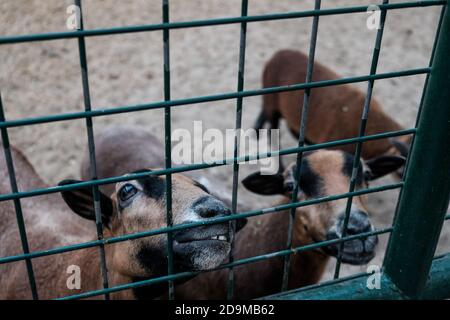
<point>362,130</point>
<point>91,146</point>
<point>355,287</point>
<point>214,22</point>
<point>425,195</point>
<point>168,145</point>
<point>301,142</point>
<point>412,227</point>
<point>238,125</point>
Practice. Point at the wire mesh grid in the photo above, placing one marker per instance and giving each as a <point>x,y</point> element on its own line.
<point>88,114</point>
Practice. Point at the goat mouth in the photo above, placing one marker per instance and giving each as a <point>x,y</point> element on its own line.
<point>221,237</point>
<point>201,255</point>
<point>203,233</point>
<point>202,248</point>
<point>352,258</point>
<point>354,252</point>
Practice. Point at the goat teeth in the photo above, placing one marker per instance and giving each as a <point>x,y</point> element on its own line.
<point>214,238</point>
<point>223,238</point>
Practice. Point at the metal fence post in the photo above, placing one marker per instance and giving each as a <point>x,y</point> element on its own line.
<point>425,195</point>
<point>168,145</point>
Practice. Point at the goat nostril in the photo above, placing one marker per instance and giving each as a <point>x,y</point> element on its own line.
<point>211,213</point>
<point>351,230</point>
<point>359,223</point>
<point>210,207</point>
<point>207,212</point>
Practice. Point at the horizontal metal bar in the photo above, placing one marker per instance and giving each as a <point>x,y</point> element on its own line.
<point>308,247</point>
<point>210,22</point>
<point>225,266</point>
<point>443,268</point>
<point>437,287</point>
<point>314,286</point>
<point>354,289</point>
<point>192,167</point>
<point>128,286</point>
<point>202,99</point>
<point>438,282</point>
<point>211,221</point>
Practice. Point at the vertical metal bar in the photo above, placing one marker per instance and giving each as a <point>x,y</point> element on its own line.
<point>362,130</point>
<point>17,203</point>
<point>425,197</point>
<point>430,63</point>
<point>301,143</point>
<point>91,146</point>
<point>238,125</point>
<point>168,150</point>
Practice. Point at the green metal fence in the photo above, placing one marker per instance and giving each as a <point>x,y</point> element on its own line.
<point>409,271</point>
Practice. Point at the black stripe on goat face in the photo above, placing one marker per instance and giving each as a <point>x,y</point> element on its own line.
<point>311,184</point>
<point>153,186</point>
<point>201,186</point>
<point>347,169</point>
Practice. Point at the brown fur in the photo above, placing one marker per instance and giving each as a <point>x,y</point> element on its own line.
<point>268,233</point>
<point>50,224</point>
<point>334,111</point>
<point>119,164</point>
<point>262,234</point>
<point>63,228</point>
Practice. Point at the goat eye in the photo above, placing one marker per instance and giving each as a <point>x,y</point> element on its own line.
<point>366,175</point>
<point>127,192</point>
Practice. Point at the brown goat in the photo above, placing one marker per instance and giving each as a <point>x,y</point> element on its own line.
<point>334,112</point>
<point>323,173</point>
<point>134,206</point>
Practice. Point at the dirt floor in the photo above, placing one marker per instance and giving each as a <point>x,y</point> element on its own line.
<point>43,78</point>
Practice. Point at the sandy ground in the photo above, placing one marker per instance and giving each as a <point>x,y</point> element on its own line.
<point>44,78</point>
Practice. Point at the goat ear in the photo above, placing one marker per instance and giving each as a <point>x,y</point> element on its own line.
<point>383,165</point>
<point>402,147</point>
<point>241,223</point>
<point>81,202</point>
<point>264,184</point>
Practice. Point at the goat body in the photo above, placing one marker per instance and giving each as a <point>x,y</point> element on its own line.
<point>49,223</point>
<point>334,111</point>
